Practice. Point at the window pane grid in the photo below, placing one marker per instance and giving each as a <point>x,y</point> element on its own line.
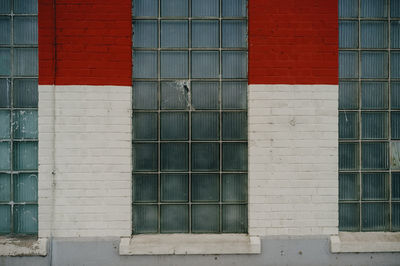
<point>18,110</point>
<point>205,97</point>
<point>367,125</point>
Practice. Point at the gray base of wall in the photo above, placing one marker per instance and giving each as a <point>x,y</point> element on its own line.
<point>275,251</point>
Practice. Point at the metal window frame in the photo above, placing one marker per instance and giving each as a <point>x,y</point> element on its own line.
<point>10,82</point>
<point>359,140</point>
<point>189,110</point>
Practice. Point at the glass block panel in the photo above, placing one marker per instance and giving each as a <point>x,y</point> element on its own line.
<point>234,156</point>
<point>205,33</point>
<point>205,156</point>
<point>234,8</point>
<point>174,64</point>
<point>205,8</point>
<point>395,155</point>
<point>374,34</point>
<point>396,214</point>
<point>25,155</point>
<point>349,217</point>
<point>145,8</point>
<point>174,8</point>
<point>26,219</point>
<point>25,93</point>
<point>348,34</point>
<point>395,65</point>
<point>395,120</point>
<point>25,125</point>
<point>349,185</point>
<point>174,157</point>
<point>395,95</point>
<point>234,126</point>
<point>374,125</point>
<point>234,33</point>
<point>5,187</point>
<point>25,30</point>
<point>205,95</point>
<point>25,188</point>
<point>5,6</point>
<point>5,219</point>
<point>395,33</point>
<point>348,8</point>
<point>25,6</point>
<point>234,187</point>
<point>174,33</point>
<point>234,64</point>
<point>348,125</point>
<point>144,126</point>
<point>205,218</point>
<point>5,155</point>
<point>374,95</point>
<point>144,64</point>
<point>145,95</point>
<point>144,157</point>
<point>234,95</point>
<point>348,64</point>
<point>145,33</point>
<point>174,95</point>
<point>144,188</point>
<point>174,126</point>
<point>174,218</point>
<point>5,89</point>
<point>373,8</point>
<point>5,124</point>
<point>205,64</point>
<point>375,216</point>
<point>25,61</point>
<point>5,29</point>
<point>374,65</point>
<point>145,219</point>
<point>205,187</point>
<point>375,186</point>
<point>174,187</point>
<point>348,156</point>
<point>374,155</point>
<point>5,59</point>
<point>395,186</point>
<point>395,8</point>
<point>205,126</point>
<point>234,218</point>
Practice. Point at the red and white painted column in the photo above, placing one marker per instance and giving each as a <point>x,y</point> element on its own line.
<point>293,124</point>
<point>85,118</point>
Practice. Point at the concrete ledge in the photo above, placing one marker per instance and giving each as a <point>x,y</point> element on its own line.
<point>347,242</point>
<point>23,246</point>
<point>183,244</point>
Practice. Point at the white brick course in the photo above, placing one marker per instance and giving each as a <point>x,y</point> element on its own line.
<point>293,159</point>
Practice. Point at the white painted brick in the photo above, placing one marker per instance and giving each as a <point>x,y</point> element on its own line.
<point>293,158</point>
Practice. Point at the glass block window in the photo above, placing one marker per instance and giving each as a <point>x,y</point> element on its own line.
<point>189,116</point>
<point>369,115</point>
<point>18,117</point>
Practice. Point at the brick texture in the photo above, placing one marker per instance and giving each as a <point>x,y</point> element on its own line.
<point>293,42</point>
<point>293,159</point>
<point>85,167</point>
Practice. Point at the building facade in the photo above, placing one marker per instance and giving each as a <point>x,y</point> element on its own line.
<point>194,132</point>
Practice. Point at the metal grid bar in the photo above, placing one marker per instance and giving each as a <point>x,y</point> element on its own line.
<point>189,109</point>
<point>360,110</point>
<point>10,82</point>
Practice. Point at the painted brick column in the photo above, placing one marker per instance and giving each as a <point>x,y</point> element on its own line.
<point>293,117</point>
<point>85,118</point>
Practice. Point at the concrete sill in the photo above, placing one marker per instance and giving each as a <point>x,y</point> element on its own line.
<point>23,246</point>
<point>347,242</point>
<point>184,244</point>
